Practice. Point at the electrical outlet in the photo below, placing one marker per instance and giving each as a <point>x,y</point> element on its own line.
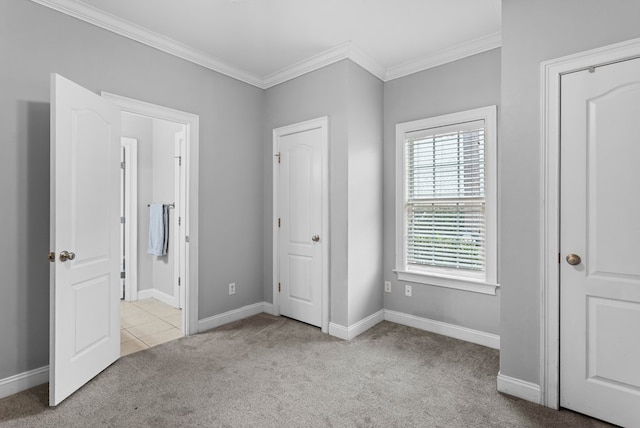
<point>232,288</point>
<point>387,286</point>
<point>407,290</point>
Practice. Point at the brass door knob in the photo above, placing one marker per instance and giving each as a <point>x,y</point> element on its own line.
<point>67,255</point>
<point>574,259</point>
<point>315,238</point>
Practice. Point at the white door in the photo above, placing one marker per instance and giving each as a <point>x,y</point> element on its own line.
<point>180,190</point>
<point>85,225</point>
<point>600,224</point>
<point>129,228</point>
<point>300,211</point>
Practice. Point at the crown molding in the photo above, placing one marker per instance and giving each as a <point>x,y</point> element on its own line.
<point>345,50</point>
<point>140,34</point>
<point>454,53</point>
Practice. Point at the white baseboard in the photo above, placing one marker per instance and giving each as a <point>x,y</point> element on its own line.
<point>158,295</point>
<point>348,333</point>
<point>17,383</point>
<point>519,388</point>
<point>145,294</point>
<point>268,308</point>
<point>231,316</point>
<point>463,333</point>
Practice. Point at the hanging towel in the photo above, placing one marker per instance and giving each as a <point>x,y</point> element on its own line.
<point>158,229</point>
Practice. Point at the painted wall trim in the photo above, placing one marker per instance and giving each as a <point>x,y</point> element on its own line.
<point>463,333</point>
<point>519,388</point>
<point>345,50</point>
<point>454,53</point>
<point>145,294</point>
<point>233,315</point>
<point>159,295</point>
<point>348,333</point>
<point>109,22</point>
<point>22,381</point>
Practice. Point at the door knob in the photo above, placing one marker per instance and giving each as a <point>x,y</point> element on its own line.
<point>573,259</point>
<point>315,238</point>
<point>67,255</point>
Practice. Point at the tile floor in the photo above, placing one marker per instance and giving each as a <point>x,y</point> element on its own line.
<point>146,323</point>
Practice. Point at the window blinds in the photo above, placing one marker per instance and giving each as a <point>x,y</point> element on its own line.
<point>445,197</point>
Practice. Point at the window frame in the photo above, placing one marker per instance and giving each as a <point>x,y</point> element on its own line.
<point>467,280</point>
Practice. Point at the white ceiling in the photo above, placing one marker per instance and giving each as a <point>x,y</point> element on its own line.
<point>265,42</point>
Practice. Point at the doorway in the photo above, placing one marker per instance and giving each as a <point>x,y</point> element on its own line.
<point>185,212</point>
<point>301,227</point>
<point>591,294</point>
<point>151,172</point>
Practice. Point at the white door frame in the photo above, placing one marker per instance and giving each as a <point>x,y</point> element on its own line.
<point>551,73</point>
<point>190,162</point>
<point>131,217</point>
<point>323,124</point>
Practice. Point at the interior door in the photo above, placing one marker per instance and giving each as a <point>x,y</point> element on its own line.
<point>300,212</point>
<point>180,191</point>
<point>600,243</point>
<point>85,225</point>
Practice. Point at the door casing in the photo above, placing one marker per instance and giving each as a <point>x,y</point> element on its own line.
<point>323,124</point>
<point>551,71</point>
<point>189,207</point>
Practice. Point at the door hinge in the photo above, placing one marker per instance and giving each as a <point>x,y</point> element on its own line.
<point>279,287</point>
<point>559,258</point>
<point>179,221</point>
<point>123,275</point>
<point>51,257</point>
<point>179,281</point>
<point>278,156</point>
<point>123,220</point>
<point>179,160</point>
<point>278,222</point>
<point>122,165</point>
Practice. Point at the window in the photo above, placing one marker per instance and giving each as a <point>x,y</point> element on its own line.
<point>446,200</point>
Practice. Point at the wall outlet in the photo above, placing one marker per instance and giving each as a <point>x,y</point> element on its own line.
<point>407,290</point>
<point>387,286</point>
<point>232,288</point>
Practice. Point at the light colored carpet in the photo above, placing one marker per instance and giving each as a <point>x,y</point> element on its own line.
<point>268,371</point>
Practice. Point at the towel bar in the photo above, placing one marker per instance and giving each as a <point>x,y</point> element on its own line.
<point>171,205</point>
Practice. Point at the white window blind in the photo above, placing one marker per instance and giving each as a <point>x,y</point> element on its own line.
<point>445,197</point>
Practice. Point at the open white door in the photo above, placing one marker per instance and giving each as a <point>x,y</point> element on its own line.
<point>85,225</point>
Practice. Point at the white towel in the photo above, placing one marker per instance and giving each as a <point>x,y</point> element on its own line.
<point>158,229</point>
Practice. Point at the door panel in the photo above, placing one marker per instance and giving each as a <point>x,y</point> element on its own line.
<point>85,220</point>
<point>300,207</point>
<point>600,210</point>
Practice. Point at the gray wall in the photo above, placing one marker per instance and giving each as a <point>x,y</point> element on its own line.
<point>352,99</point>
<point>461,85</point>
<point>532,32</point>
<point>164,171</point>
<point>365,284</point>
<point>141,128</point>
<point>316,94</point>
<point>35,41</point>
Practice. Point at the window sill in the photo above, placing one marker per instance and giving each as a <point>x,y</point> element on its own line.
<point>458,283</point>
